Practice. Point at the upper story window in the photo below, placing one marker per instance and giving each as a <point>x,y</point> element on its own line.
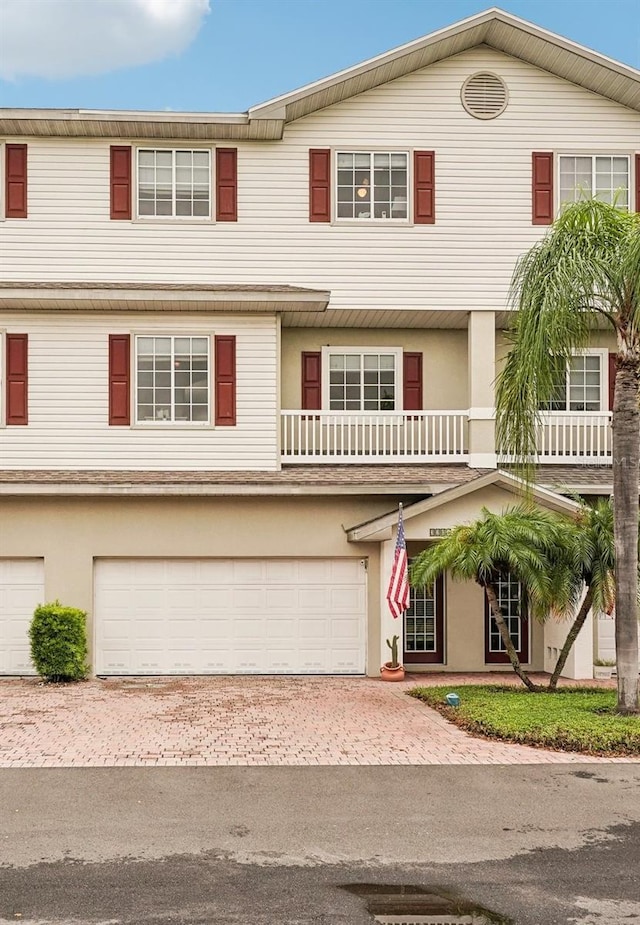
<point>372,185</point>
<point>174,183</point>
<point>362,380</point>
<point>603,176</point>
<point>580,384</point>
<point>172,379</point>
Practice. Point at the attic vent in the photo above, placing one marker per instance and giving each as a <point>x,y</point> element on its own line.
<point>484,95</point>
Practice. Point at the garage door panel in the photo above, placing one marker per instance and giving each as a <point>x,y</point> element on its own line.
<point>230,616</point>
<point>21,591</point>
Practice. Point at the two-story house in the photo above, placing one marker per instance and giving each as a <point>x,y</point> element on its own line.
<point>233,343</point>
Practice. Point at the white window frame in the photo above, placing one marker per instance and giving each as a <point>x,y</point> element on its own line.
<point>603,353</point>
<point>3,381</point>
<point>397,352</point>
<point>172,423</point>
<point>593,155</point>
<point>174,218</point>
<point>384,222</point>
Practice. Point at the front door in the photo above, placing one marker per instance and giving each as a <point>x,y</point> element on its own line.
<point>512,603</point>
<point>424,625</point>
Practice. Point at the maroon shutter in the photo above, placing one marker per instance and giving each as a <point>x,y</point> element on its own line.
<point>311,380</point>
<point>612,379</point>
<point>412,381</point>
<point>541,188</point>
<point>120,181</point>
<point>424,187</point>
<point>16,181</point>
<point>319,185</point>
<point>225,379</point>
<point>17,378</point>
<point>226,184</point>
<point>119,377</point>
<point>637,182</point>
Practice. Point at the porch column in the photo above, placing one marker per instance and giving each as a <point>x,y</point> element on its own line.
<point>389,625</point>
<point>481,334</point>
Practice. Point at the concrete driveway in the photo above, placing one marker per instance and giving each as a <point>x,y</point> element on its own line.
<point>225,721</point>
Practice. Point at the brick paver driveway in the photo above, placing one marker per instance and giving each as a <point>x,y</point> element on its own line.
<point>237,721</point>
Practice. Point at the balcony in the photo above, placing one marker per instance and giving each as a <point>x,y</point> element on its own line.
<point>575,438</point>
<point>430,437</point>
<point>381,436</point>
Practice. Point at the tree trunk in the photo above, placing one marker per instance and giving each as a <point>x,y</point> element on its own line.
<point>572,635</point>
<point>626,448</point>
<point>492,596</point>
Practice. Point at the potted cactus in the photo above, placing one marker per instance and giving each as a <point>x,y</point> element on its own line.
<point>392,670</point>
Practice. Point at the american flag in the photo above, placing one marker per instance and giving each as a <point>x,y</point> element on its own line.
<point>398,592</point>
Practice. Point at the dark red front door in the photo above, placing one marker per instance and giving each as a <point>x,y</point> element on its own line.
<point>424,626</point>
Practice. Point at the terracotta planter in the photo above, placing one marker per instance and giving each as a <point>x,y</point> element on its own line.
<point>387,673</point>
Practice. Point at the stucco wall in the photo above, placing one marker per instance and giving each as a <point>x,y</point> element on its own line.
<point>445,375</point>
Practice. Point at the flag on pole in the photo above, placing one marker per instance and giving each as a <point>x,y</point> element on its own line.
<point>398,592</point>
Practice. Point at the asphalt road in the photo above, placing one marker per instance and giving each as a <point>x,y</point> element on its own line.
<point>541,845</point>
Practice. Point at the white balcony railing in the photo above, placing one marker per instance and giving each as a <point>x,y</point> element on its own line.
<point>575,438</point>
<point>383,437</point>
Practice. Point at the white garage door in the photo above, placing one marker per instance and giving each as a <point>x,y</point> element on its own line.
<point>230,616</point>
<point>21,590</point>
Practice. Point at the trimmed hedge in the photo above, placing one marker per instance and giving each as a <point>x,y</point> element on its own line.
<point>59,642</point>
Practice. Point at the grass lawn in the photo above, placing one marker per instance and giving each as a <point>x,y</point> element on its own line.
<point>572,719</point>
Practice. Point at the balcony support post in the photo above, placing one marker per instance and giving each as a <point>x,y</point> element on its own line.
<point>481,334</point>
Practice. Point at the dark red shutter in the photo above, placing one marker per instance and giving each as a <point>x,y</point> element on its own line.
<point>119,378</point>
<point>319,185</point>
<point>541,188</point>
<point>120,181</point>
<point>16,181</point>
<point>226,184</point>
<point>17,378</point>
<point>424,187</point>
<point>311,380</point>
<point>412,381</point>
<point>225,380</point>
<point>612,379</point>
<point>637,182</point>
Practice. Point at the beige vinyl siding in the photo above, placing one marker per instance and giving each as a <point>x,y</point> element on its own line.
<point>68,398</point>
<point>463,262</point>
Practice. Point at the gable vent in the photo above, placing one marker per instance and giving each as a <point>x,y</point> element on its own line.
<point>484,95</point>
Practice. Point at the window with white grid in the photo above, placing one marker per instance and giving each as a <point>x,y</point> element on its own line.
<point>510,600</point>
<point>603,176</point>
<point>362,380</point>
<point>174,183</point>
<point>420,629</point>
<point>580,384</point>
<point>172,379</point>
<point>372,185</point>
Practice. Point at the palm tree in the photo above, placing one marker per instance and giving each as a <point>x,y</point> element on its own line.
<point>527,543</point>
<point>592,560</point>
<point>584,273</point>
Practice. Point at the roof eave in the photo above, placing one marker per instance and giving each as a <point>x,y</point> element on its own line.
<point>483,28</point>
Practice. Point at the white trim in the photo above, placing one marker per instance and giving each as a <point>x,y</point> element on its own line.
<point>377,529</point>
<point>482,414</point>
<point>397,352</point>
<point>603,353</point>
<point>198,219</point>
<point>593,154</point>
<point>171,424</point>
<point>483,460</point>
<point>3,380</point>
<point>371,219</point>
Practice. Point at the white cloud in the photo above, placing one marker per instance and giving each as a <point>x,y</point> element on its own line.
<point>70,38</point>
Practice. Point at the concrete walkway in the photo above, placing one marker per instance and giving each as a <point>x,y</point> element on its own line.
<point>224,721</point>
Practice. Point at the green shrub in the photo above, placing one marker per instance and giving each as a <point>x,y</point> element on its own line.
<point>59,642</point>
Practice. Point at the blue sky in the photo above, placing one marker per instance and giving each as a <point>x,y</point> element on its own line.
<point>226,55</point>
